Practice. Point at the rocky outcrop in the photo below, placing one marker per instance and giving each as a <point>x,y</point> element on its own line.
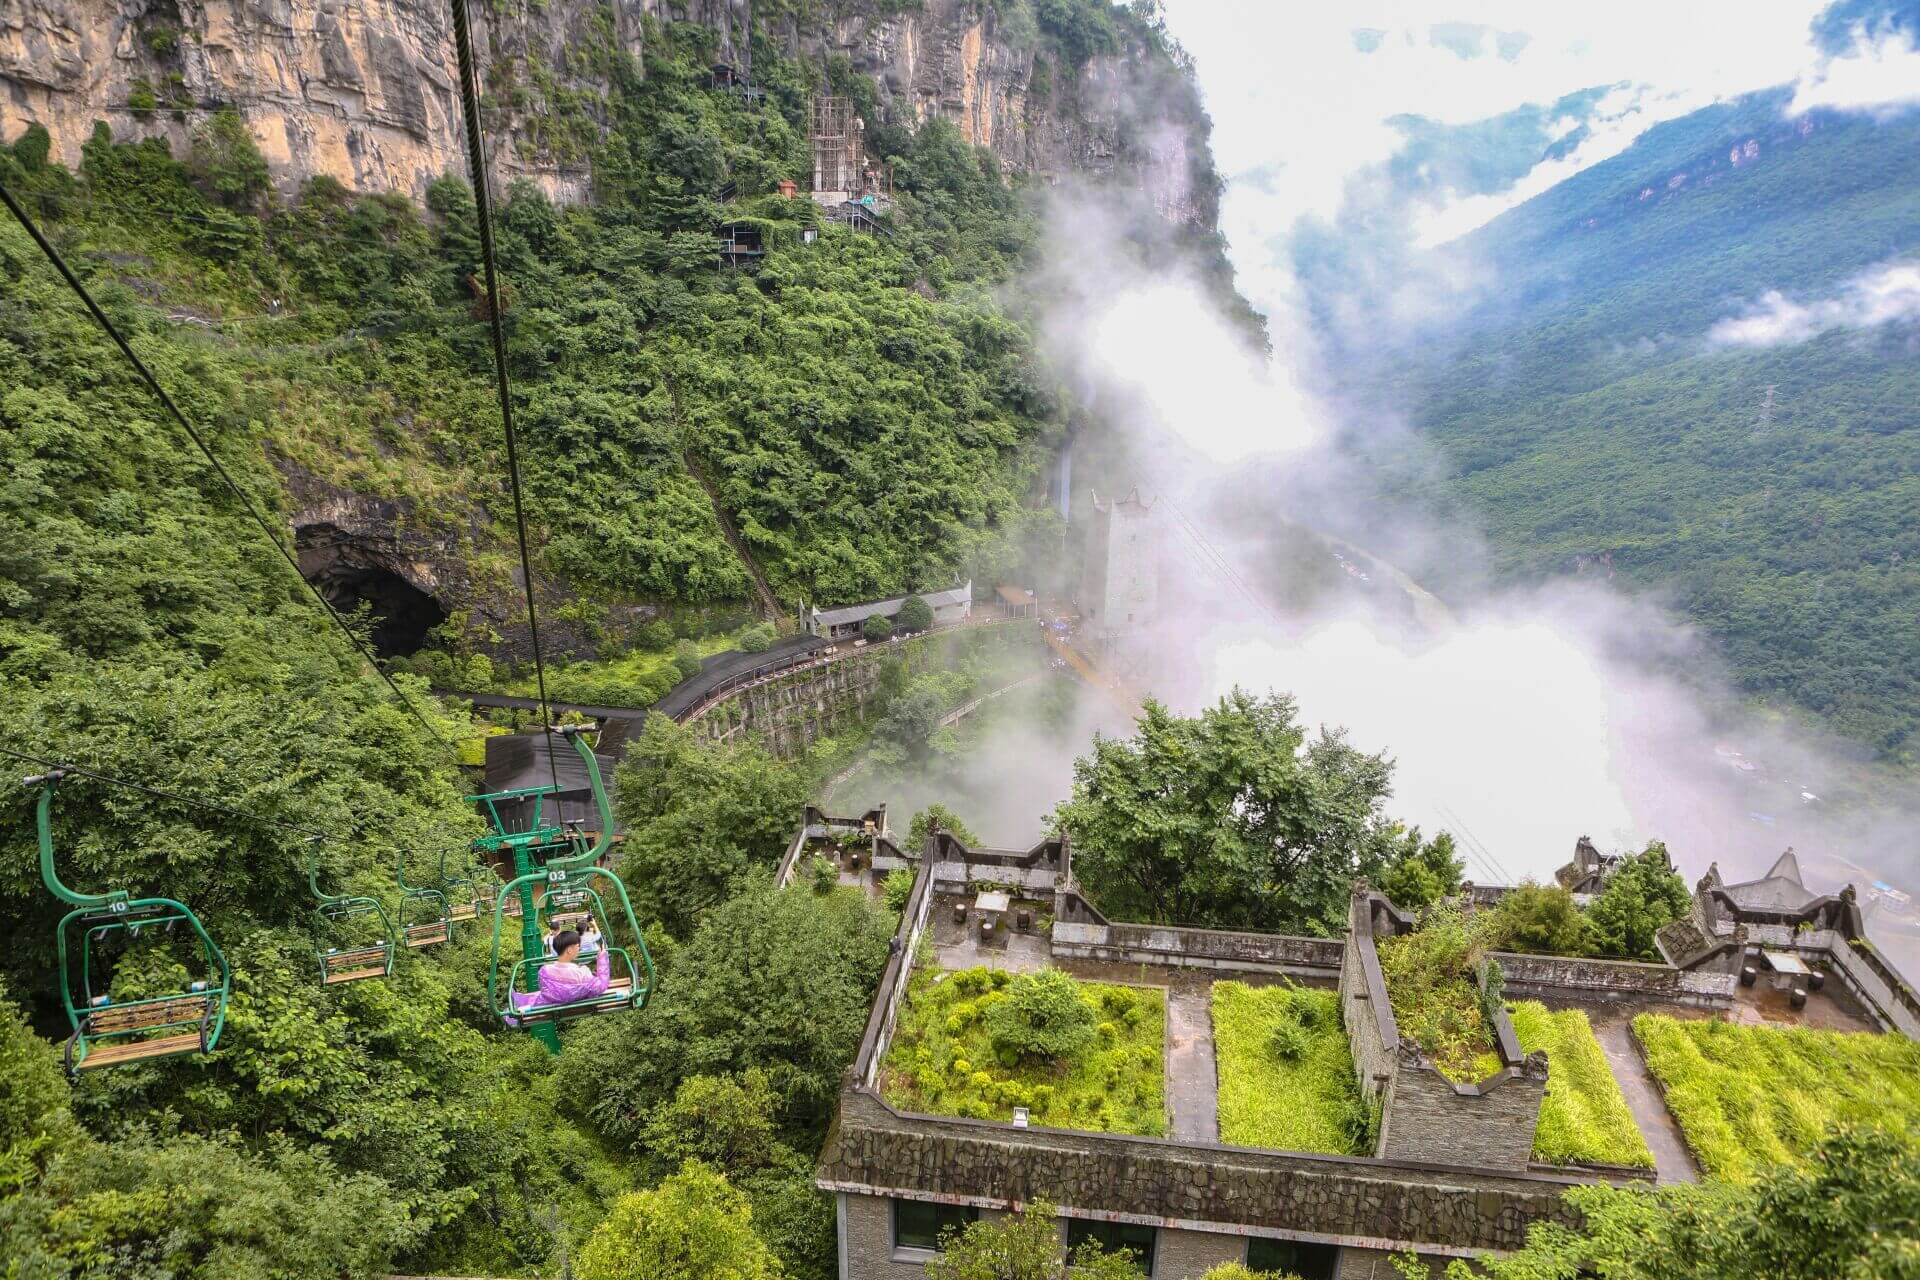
<point>363,90</point>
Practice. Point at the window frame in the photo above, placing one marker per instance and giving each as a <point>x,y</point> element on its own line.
<point>1095,1228</point>
<point>955,1216</point>
<point>1292,1268</point>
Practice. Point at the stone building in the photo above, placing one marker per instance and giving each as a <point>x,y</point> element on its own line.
<point>1452,1171</point>
<point>952,605</point>
<point>1119,592</point>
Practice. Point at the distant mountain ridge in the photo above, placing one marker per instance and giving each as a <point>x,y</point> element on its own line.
<point>1772,492</point>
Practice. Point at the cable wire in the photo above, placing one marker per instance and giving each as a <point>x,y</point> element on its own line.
<point>483,208</point>
<point>193,433</point>
<point>209,806</point>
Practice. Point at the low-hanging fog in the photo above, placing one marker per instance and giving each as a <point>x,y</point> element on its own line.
<point>1518,717</point>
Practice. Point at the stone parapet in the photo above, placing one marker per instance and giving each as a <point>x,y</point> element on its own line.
<point>1198,949</point>
<point>1570,977</point>
<point>1349,1201</point>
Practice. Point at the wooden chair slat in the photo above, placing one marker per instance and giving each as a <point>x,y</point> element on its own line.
<point>106,1055</point>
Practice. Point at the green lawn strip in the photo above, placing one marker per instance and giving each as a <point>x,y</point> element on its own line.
<point>1304,1100</point>
<point>941,1061</point>
<point>1584,1118</point>
<point>1749,1097</point>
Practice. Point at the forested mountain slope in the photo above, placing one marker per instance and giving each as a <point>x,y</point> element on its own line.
<point>1593,425</point>
<point>867,407</point>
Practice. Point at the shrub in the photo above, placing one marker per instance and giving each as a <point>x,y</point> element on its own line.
<point>693,1226</point>
<point>1043,1017</point>
<point>877,629</point>
<point>1430,983</point>
<point>757,639</point>
<point>826,875</point>
<point>1643,894</point>
<point>915,614</point>
<point>686,659</point>
<point>897,888</point>
<point>1539,919</point>
<point>1287,1041</point>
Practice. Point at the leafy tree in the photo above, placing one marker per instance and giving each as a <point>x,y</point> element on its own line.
<point>227,162</point>
<point>693,1226</point>
<point>1643,894</point>
<point>1229,819</point>
<point>1025,1246</point>
<point>915,614</point>
<point>771,979</point>
<point>1542,919</point>
<point>938,815</point>
<point>698,818</point>
<point>1851,1212</point>
<point>1420,874</point>
<point>877,629</point>
<point>724,1121</point>
<point>1041,1017</point>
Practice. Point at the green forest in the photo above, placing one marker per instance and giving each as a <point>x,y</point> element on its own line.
<point>867,410</point>
<point>1767,493</point>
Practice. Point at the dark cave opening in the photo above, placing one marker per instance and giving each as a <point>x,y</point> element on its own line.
<point>350,578</point>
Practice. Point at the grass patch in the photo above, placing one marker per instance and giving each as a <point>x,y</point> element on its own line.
<point>1584,1119</point>
<point>1751,1097</point>
<point>1286,1074</point>
<point>942,1059</point>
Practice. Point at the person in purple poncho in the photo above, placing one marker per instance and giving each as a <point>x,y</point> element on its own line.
<point>564,979</point>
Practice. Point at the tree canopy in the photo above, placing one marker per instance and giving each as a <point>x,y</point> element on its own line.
<point>1232,819</point>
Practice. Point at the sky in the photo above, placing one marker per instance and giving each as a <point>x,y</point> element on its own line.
<point>1310,103</point>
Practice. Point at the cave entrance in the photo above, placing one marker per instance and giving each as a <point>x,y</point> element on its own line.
<point>351,575</point>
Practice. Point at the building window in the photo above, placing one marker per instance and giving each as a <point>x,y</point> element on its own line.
<point>919,1224</point>
<point>1293,1258</point>
<point>1111,1236</point>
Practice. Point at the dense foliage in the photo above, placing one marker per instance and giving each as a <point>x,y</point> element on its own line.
<point>1640,897</point>
<point>950,1054</point>
<point>1286,1074</point>
<point>1591,426</point>
<point>1584,1118</point>
<point>1233,819</point>
<point>1851,1212</point>
<point>1749,1097</point>
<point>693,1226</point>
<point>1040,1018</point>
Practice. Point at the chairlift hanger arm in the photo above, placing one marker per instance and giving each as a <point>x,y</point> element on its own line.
<point>43,821</point>
<point>576,735</point>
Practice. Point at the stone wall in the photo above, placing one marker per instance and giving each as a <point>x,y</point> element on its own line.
<point>1423,1115</point>
<point>792,710</point>
<point>1488,1124</point>
<point>1312,958</point>
<point>1867,977</point>
<point>1347,1201</point>
<point>1567,977</point>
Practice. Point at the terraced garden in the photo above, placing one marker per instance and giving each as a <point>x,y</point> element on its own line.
<point>1077,1055</point>
<point>1749,1097</point>
<point>1286,1074</point>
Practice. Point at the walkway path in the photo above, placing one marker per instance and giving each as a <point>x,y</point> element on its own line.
<point>1672,1162</point>
<point>1192,1079</point>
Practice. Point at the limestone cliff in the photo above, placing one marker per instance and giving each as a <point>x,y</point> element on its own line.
<point>362,90</point>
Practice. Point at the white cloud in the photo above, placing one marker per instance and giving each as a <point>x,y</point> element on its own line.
<point>1885,295</point>
<point>1880,74</point>
<point>1288,86</point>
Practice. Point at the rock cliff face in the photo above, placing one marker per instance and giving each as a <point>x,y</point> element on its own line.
<point>363,90</point>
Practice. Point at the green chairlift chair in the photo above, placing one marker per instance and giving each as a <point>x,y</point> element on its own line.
<point>569,878</point>
<point>424,919</point>
<point>109,1032</point>
<point>357,934</point>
